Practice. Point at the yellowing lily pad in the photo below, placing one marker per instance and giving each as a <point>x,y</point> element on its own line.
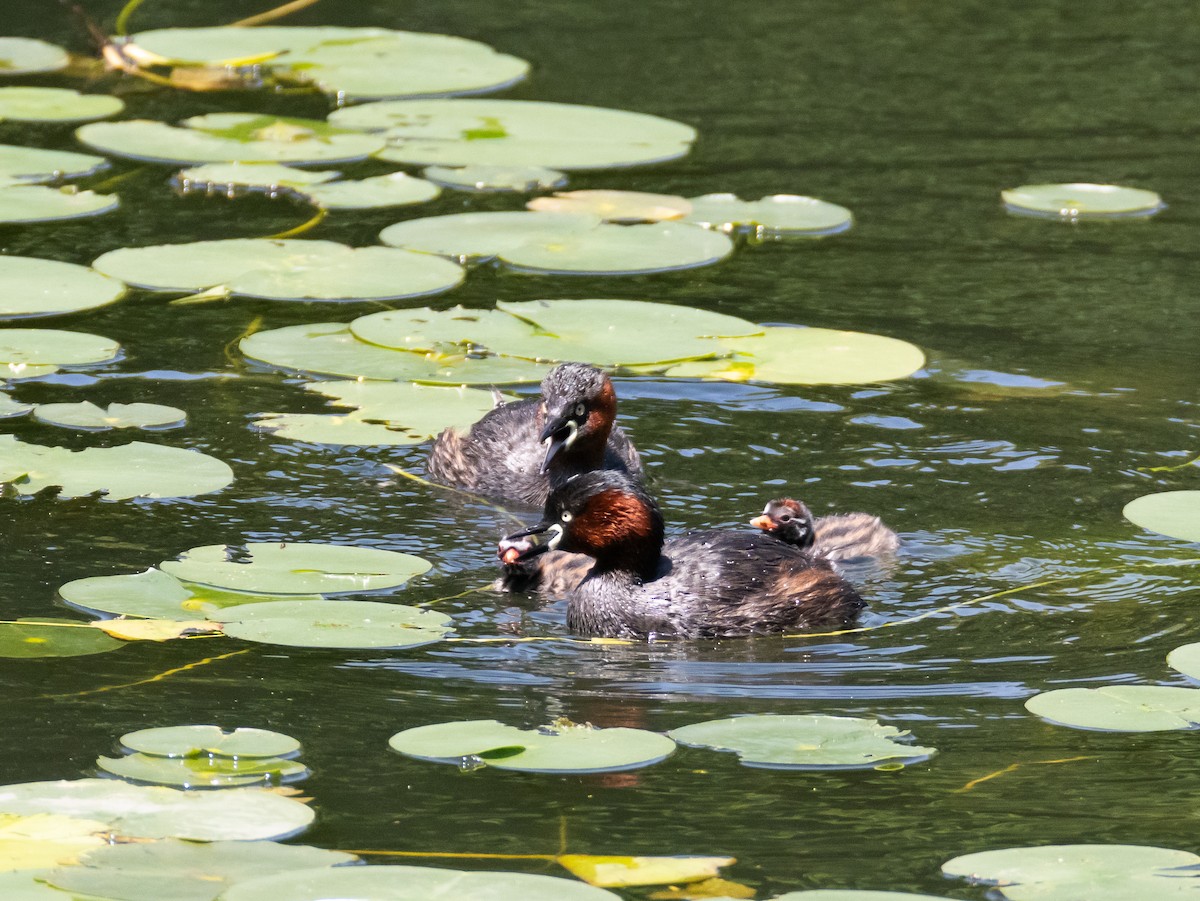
<point>1082,201</point>
<point>779,214</point>
<point>45,840</point>
<point>52,636</point>
<point>1120,708</point>
<point>613,871</point>
<point>335,624</point>
<point>34,287</point>
<point>1173,513</point>
<point>615,206</point>
<point>490,179</point>
<point>32,104</point>
<point>155,629</point>
<point>198,741</point>
<point>86,415</point>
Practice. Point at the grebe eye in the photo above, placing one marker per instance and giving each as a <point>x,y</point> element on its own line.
<point>580,409</point>
<point>785,517</point>
<point>566,516</point>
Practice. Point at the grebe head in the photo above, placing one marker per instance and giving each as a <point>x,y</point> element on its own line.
<point>581,408</point>
<point>789,520</point>
<point>604,514</point>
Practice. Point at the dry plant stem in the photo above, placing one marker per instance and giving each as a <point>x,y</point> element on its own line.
<point>156,678</point>
<point>272,14</point>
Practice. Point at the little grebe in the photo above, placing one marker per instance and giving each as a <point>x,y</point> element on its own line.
<point>521,450</point>
<point>842,536</point>
<point>710,584</point>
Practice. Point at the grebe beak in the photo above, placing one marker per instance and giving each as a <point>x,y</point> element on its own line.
<point>529,543</point>
<point>560,432</point>
<point>765,523</point>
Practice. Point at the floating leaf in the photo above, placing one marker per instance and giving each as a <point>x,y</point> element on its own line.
<point>137,811</point>
<point>10,407</point>
<point>623,250</point>
<point>194,741</point>
<point>517,179</point>
<point>155,629</point>
<point>203,772</point>
<point>615,206</point>
<point>854,895</point>
<point>283,269</point>
<point>396,189</point>
<point>1082,201</point>
<point>809,356</point>
<point>38,203</point>
<point>1186,659</point>
<point>230,137</point>
<point>184,871</point>
<point>1070,872</point>
<point>51,636</point>
<point>24,56</point>
<point>156,594</point>
<point>54,347</point>
<point>445,332</point>
<point>1173,513</point>
<point>45,840</point>
<point>319,188</point>
<point>804,741</point>
<point>616,871</point>
<point>34,287</point>
<point>778,214</point>
<point>86,415</point>
<point>32,164</point>
<point>223,178</point>
<point>18,371</point>
<point>353,63</point>
<point>484,236</point>
<point>561,748</point>
<point>1120,708</point>
<point>295,568</point>
<point>26,885</point>
<point>29,104</point>
<point>349,430</point>
<point>518,133</point>
<point>128,470</point>
<point>335,624</point>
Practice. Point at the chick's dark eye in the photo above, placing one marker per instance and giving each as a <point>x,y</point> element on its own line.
<point>785,517</point>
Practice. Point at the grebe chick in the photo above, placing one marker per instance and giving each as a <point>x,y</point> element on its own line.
<point>842,536</point>
<point>520,450</point>
<point>712,584</point>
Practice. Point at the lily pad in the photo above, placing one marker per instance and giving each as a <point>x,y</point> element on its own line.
<point>457,330</point>
<point>34,287</point>
<point>330,348</point>
<point>44,840</point>
<point>1069,872</point>
<point>1173,513</point>
<point>196,741</point>
<point>616,870</point>
<point>128,470</point>
<point>184,871</point>
<point>517,133</point>
<point>55,347</point>
<point>615,206</point>
<point>1120,708</point>
<point>295,568</point>
<point>1186,659</point>
<point>804,741</point>
<point>318,188</point>
<point>52,636</point>
<point>1082,201</point>
<point>230,137</point>
<point>778,214</point>
<point>41,203</point>
<point>203,772</point>
<point>156,594</point>
<point>334,624</point>
<point>559,748</point>
<point>401,883</point>
<point>34,165</point>
<point>809,356</point>
<point>851,894</point>
<point>280,269</point>
<point>86,415</point>
<point>479,237</point>
<point>10,407</point>
<point>30,104</point>
<point>623,250</point>
<point>137,811</point>
<point>225,178</point>
<point>352,63</point>
<point>16,372</point>
<point>24,56</point>
<point>489,179</point>
<point>349,430</point>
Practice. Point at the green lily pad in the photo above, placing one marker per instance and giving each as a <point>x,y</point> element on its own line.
<point>319,188</point>
<point>804,741</point>
<point>457,330</point>
<point>1082,201</point>
<point>184,871</point>
<point>1173,513</point>
<point>560,748</point>
<point>401,883</point>
<point>10,407</point>
<point>29,104</point>
<point>809,356</point>
<point>52,636</point>
<point>55,347</point>
<point>197,741</point>
<point>396,189</point>
<point>25,885</point>
<point>128,470</point>
<point>138,811</point>
<point>1070,872</point>
<point>278,269</point>
<point>1186,659</point>
<point>779,214</point>
<point>349,430</point>
<point>32,164</point>
<point>41,203</point>
<point>16,372</point>
<point>352,63</point>
<point>615,206</point>
<point>1120,708</point>
<point>480,237</point>
<point>157,595</point>
<point>24,56</point>
<point>488,179</point>
<point>230,137</point>
<point>330,348</point>
<point>203,772</point>
<point>295,568</point>
<point>34,287</point>
<point>334,624</point>
<point>225,178</point>
<point>850,894</point>
<point>86,415</point>
<point>467,132</point>
<point>623,250</point>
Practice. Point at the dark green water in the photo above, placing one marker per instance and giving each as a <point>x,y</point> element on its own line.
<point>915,115</point>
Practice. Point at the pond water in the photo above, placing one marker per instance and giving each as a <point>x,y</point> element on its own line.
<point>913,115</point>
